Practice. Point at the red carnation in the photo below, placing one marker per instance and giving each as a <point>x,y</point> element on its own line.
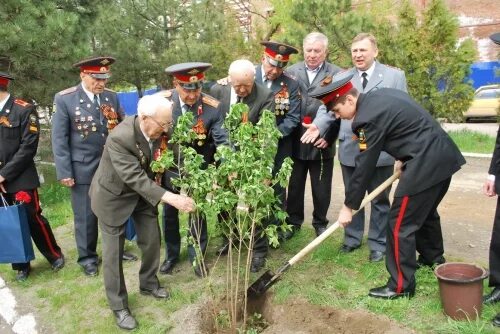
<point>307,120</point>
<point>23,197</point>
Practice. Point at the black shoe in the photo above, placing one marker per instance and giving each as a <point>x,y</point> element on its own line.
<point>124,319</point>
<point>421,263</point>
<point>319,230</point>
<point>257,264</point>
<point>22,275</point>
<point>90,269</point>
<point>167,267</point>
<point>376,256</point>
<point>223,250</point>
<point>387,293</point>
<point>129,257</point>
<point>198,271</point>
<point>348,249</point>
<point>493,297</point>
<point>288,234</point>
<point>58,264</point>
<point>159,292</point>
<point>496,320</point>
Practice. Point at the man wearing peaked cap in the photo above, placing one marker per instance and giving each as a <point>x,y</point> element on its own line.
<point>83,116</point>
<point>390,120</point>
<point>20,131</point>
<point>287,110</point>
<point>208,120</point>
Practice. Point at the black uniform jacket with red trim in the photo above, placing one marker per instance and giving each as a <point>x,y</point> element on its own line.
<point>19,133</point>
<point>495,163</point>
<point>390,120</point>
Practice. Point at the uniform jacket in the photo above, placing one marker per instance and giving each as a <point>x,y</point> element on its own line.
<point>124,179</point>
<point>389,120</point>
<point>19,132</point>
<point>383,77</point>
<point>259,99</point>
<point>310,107</point>
<point>495,163</point>
<point>79,132</point>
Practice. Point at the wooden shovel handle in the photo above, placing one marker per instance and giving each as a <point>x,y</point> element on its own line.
<point>313,244</point>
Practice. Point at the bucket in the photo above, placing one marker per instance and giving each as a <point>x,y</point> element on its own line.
<point>461,289</point>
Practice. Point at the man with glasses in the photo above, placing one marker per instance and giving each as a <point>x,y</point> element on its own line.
<point>208,120</point>
<point>83,115</point>
<point>287,110</point>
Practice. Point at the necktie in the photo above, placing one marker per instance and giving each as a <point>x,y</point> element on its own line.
<point>365,80</point>
<point>96,101</point>
<point>185,109</point>
<point>150,142</point>
<point>239,99</point>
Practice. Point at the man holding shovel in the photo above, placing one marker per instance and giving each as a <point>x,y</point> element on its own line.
<point>390,120</point>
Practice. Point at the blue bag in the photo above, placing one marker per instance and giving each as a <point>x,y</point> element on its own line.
<point>130,230</point>
<point>15,236</point>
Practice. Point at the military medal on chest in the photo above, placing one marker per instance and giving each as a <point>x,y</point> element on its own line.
<point>282,101</point>
<point>199,128</point>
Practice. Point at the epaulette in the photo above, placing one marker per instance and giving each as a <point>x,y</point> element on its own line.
<point>109,90</point>
<point>290,75</point>
<point>68,90</point>
<point>211,101</point>
<point>223,81</point>
<point>165,93</point>
<point>22,103</point>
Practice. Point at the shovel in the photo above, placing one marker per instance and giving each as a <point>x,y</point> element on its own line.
<point>264,282</point>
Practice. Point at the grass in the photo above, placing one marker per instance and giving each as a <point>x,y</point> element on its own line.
<point>473,142</point>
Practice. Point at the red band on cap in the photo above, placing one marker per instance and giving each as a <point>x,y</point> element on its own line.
<point>190,78</point>
<point>341,91</point>
<point>4,82</point>
<point>94,69</point>
<point>276,56</point>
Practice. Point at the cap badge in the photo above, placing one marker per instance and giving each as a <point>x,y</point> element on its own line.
<point>194,78</point>
<point>278,57</point>
<point>282,48</point>
<point>193,71</point>
<point>105,61</point>
<point>103,69</point>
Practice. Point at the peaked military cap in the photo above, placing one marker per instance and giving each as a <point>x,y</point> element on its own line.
<point>496,38</point>
<point>278,54</point>
<point>97,67</point>
<point>189,75</point>
<point>5,79</point>
<point>340,86</point>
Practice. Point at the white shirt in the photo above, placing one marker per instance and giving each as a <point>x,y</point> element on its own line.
<point>266,82</point>
<point>4,102</point>
<point>233,97</point>
<point>90,94</point>
<point>369,72</point>
<point>311,74</point>
<point>182,104</point>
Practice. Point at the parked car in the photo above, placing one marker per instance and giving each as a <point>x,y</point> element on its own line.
<point>486,104</point>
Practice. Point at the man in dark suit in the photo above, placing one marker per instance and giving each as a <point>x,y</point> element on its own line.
<point>389,120</point>
<point>123,186</point>
<point>368,75</point>
<point>20,131</point>
<point>83,115</point>
<point>271,73</point>
<point>316,160</point>
<point>490,188</point>
<point>208,118</point>
<point>240,87</point>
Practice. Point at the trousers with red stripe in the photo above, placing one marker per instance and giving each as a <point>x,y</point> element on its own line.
<point>40,229</point>
<point>414,226</point>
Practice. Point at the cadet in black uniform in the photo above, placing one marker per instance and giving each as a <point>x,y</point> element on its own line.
<point>208,118</point>
<point>20,131</point>
<point>390,120</point>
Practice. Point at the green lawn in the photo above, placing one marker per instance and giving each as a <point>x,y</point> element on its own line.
<point>473,142</point>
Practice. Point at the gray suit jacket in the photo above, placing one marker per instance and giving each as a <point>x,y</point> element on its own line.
<point>124,180</point>
<point>79,132</point>
<point>259,99</point>
<point>383,77</point>
<point>310,107</point>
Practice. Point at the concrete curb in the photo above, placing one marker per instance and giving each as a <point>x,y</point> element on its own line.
<point>21,324</point>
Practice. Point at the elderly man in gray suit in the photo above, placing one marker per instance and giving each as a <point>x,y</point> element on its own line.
<point>83,115</point>
<point>317,160</point>
<point>123,186</point>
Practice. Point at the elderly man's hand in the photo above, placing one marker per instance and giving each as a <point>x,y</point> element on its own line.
<point>68,182</point>
<point>489,188</point>
<point>345,216</point>
<point>180,202</point>
<point>311,134</point>
<point>321,143</point>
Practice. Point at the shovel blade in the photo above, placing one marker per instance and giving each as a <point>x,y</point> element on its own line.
<point>262,284</point>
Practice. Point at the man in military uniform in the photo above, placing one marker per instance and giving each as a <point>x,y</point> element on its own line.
<point>124,185</point>
<point>491,188</point>
<point>390,120</point>
<point>240,87</point>
<point>83,116</point>
<point>20,131</point>
<point>369,75</point>
<point>317,160</point>
<point>208,118</point>
<point>287,110</point>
